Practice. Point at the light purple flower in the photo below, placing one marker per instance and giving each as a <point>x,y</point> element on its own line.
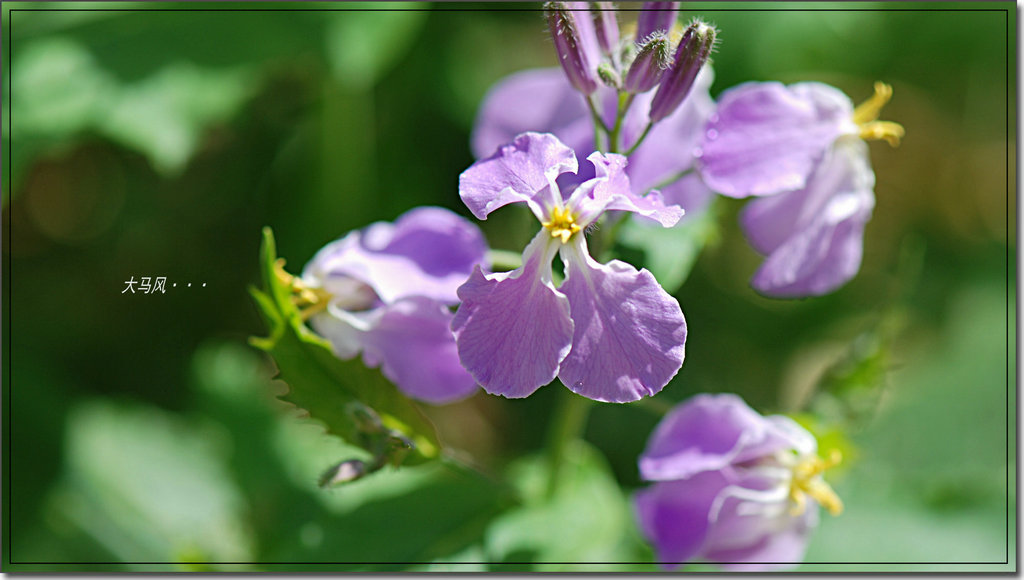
<point>388,288</point>
<point>732,487</point>
<point>799,149</point>
<point>542,100</point>
<point>609,332</point>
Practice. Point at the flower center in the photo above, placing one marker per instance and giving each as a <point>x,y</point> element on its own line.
<point>562,224</point>
<point>807,481</point>
<point>308,300</point>
<point>866,117</point>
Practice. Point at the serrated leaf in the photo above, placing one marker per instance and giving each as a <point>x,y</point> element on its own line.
<point>324,385</point>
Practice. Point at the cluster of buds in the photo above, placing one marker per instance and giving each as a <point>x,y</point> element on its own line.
<point>659,54</point>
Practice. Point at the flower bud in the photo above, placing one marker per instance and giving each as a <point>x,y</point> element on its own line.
<point>343,472</point>
<point>650,63</point>
<point>606,27</point>
<point>655,16</point>
<point>694,49</point>
<point>608,75</point>
<point>575,52</point>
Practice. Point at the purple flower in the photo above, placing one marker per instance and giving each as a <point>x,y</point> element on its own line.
<point>385,291</point>
<point>802,146</point>
<point>733,487</point>
<point>609,332</point>
<point>542,100</point>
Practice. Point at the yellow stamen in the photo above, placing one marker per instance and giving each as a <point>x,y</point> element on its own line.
<point>807,481</point>
<point>307,299</point>
<point>562,224</point>
<point>866,117</point>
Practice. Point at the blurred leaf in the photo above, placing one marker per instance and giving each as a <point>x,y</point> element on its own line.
<point>326,386</point>
<point>670,253</point>
<point>149,487</point>
<point>164,116</point>
<point>60,92</point>
<point>587,521</point>
<point>363,46</point>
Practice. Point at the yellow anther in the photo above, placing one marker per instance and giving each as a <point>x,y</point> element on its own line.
<point>875,130</point>
<point>562,224</point>
<point>807,481</point>
<point>307,299</point>
<point>866,116</point>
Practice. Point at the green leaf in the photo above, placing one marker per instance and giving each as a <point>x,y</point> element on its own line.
<point>148,486</point>
<point>670,253</point>
<point>362,46</point>
<point>587,521</point>
<point>330,389</point>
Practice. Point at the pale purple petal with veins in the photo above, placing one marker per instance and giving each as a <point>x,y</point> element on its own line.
<point>630,335</point>
<point>412,343</point>
<point>674,515</point>
<point>521,171</point>
<point>532,100</point>
<point>428,251</point>
<point>748,543</point>
<point>542,100</point>
<point>513,329</point>
<point>610,190</point>
<point>825,224</point>
<point>768,138</point>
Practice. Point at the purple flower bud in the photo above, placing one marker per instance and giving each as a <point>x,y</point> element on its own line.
<point>650,63</point>
<point>654,17</point>
<point>694,49</point>
<point>606,27</point>
<point>576,52</point>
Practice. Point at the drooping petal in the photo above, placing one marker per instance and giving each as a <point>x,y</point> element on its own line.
<point>630,335</point>
<point>513,329</point>
<point>610,190</point>
<point>521,171</point>
<point>767,138</point>
<point>428,251</point>
<point>824,250</point>
<point>414,346</point>
<point>344,330</point>
<point>673,515</point>
<point>751,544</point>
<point>708,432</point>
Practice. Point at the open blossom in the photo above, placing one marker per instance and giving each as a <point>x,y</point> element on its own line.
<point>543,100</point>
<point>732,487</point>
<point>609,332</point>
<point>385,291</point>
<point>800,150</point>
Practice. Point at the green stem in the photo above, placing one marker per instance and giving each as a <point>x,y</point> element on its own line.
<point>674,178</point>
<point>625,100</point>
<point>598,122</point>
<point>643,136</point>
<point>568,424</point>
<point>504,260</point>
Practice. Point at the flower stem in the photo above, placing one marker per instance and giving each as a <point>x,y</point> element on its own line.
<point>640,140</point>
<point>598,122</point>
<point>569,421</point>
<point>625,100</point>
<point>674,178</point>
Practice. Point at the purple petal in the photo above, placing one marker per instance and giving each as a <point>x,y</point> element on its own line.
<point>673,515</point>
<point>612,191</point>
<point>630,335</point>
<point>533,100</point>
<point>824,250</point>
<point>513,329</point>
<point>707,432</point>
<point>767,138</point>
<point>782,539</point>
<point>669,148</point>
<point>428,252</point>
<point>522,171</point>
<point>413,344</point>
<point>655,16</point>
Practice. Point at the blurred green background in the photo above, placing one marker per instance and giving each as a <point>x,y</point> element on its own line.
<point>157,140</point>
